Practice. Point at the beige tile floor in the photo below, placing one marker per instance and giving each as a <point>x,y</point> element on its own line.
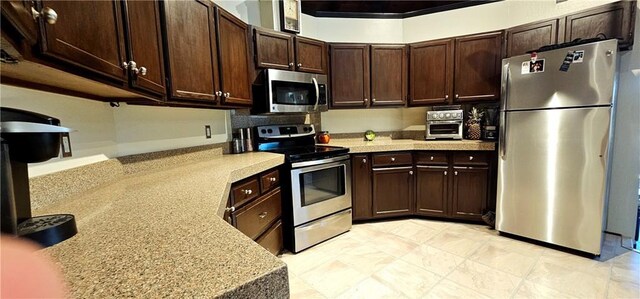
<point>417,258</point>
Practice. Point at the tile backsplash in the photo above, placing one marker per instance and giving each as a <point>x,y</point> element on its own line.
<point>241,118</point>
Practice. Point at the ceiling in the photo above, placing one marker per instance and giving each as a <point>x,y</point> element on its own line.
<point>382,9</point>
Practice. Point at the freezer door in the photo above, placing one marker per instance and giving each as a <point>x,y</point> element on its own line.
<point>551,178</point>
<point>588,82</point>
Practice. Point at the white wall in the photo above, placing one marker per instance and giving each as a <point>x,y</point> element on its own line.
<point>247,10</point>
<point>352,30</point>
<point>102,132</point>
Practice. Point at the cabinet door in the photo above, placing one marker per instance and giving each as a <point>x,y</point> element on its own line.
<point>191,50</point>
<point>18,14</point>
<point>274,50</point>
<point>349,75</point>
<point>432,190</point>
<point>145,45</point>
<point>477,68</point>
<point>311,55</point>
<point>431,73</point>
<point>533,36</point>
<point>88,34</point>
<point>234,59</point>
<point>388,75</point>
<point>361,187</point>
<point>392,191</point>
<point>469,192</point>
<point>615,20</point>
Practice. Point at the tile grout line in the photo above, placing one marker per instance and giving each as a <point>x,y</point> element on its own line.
<point>524,278</point>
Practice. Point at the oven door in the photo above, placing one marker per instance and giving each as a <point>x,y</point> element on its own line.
<point>444,129</point>
<point>320,188</point>
<point>296,92</point>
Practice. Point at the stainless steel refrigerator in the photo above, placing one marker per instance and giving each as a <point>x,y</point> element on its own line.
<point>556,139</point>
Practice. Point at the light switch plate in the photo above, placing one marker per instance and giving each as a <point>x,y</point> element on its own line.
<point>207,131</point>
<point>66,145</point>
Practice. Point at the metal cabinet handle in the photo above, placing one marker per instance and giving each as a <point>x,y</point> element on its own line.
<point>299,64</point>
<point>373,100</point>
<point>290,64</point>
<point>365,101</point>
<point>50,15</point>
<point>230,209</point>
<point>219,93</point>
<point>457,96</point>
<point>470,158</point>
<point>272,179</point>
<point>455,173</point>
<point>431,158</point>
<point>133,67</point>
<point>247,191</point>
<point>445,172</point>
<point>364,161</point>
<point>227,94</point>
<point>262,215</point>
<point>410,172</point>
<point>446,97</point>
<point>393,159</point>
<point>143,71</point>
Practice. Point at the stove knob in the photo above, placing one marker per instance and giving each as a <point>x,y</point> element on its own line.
<point>448,115</point>
<point>269,131</point>
<point>459,115</point>
<point>263,131</point>
<point>441,115</point>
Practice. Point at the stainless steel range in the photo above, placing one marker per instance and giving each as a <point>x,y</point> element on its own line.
<point>317,191</point>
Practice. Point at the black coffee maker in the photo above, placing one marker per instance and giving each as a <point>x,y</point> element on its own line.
<point>29,137</point>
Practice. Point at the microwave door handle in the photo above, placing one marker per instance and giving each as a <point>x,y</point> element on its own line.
<point>315,84</point>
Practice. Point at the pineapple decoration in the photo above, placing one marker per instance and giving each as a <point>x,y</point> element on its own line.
<point>473,124</point>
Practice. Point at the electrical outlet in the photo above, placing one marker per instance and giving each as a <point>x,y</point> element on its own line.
<point>207,131</point>
<point>66,145</point>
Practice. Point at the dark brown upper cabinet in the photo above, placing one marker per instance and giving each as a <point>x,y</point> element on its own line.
<point>278,50</point>
<point>191,50</point>
<point>18,14</point>
<point>368,75</point>
<point>88,34</point>
<point>350,75</point>
<point>431,72</point>
<point>388,75</point>
<point>311,55</point>
<point>532,36</point>
<point>615,20</point>
<point>274,49</point>
<point>477,68</point>
<point>234,61</point>
<point>145,58</point>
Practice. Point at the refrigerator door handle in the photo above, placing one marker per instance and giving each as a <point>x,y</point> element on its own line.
<point>504,90</point>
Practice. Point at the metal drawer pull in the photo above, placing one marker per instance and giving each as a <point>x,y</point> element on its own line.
<point>262,215</point>
<point>227,94</point>
<point>410,172</point>
<point>219,93</point>
<point>455,173</point>
<point>247,191</point>
<point>431,158</point>
<point>470,158</point>
<point>299,64</point>
<point>393,159</point>
<point>272,179</point>
<point>230,209</point>
<point>48,13</point>
<point>364,161</point>
<point>143,71</point>
<point>290,63</point>
<point>445,172</point>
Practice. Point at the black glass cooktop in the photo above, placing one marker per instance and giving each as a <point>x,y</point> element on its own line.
<point>297,154</point>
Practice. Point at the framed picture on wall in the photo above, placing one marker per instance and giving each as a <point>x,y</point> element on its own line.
<point>290,15</point>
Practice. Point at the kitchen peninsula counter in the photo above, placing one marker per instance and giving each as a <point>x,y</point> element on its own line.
<point>160,234</point>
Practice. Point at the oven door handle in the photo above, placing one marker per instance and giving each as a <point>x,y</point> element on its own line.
<point>315,84</point>
<point>319,162</point>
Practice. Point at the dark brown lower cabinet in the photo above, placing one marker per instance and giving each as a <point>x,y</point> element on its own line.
<point>432,190</point>
<point>469,194</point>
<point>392,191</point>
<point>445,184</point>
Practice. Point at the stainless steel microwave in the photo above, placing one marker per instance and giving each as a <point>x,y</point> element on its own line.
<point>291,92</point>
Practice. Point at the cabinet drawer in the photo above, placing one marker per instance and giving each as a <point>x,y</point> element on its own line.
<point>392,159</point>
<point>432,158</point>
<point>256,217</point>
<point>269,180</point>
<point>271,240</point>
<point>244,192</point>
<point>471,158</point>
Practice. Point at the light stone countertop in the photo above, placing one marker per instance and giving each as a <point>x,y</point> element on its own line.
<point>160,234</point>
<point>358,145</point>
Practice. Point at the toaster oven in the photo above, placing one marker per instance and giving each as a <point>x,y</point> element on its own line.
<point>444,124</point>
